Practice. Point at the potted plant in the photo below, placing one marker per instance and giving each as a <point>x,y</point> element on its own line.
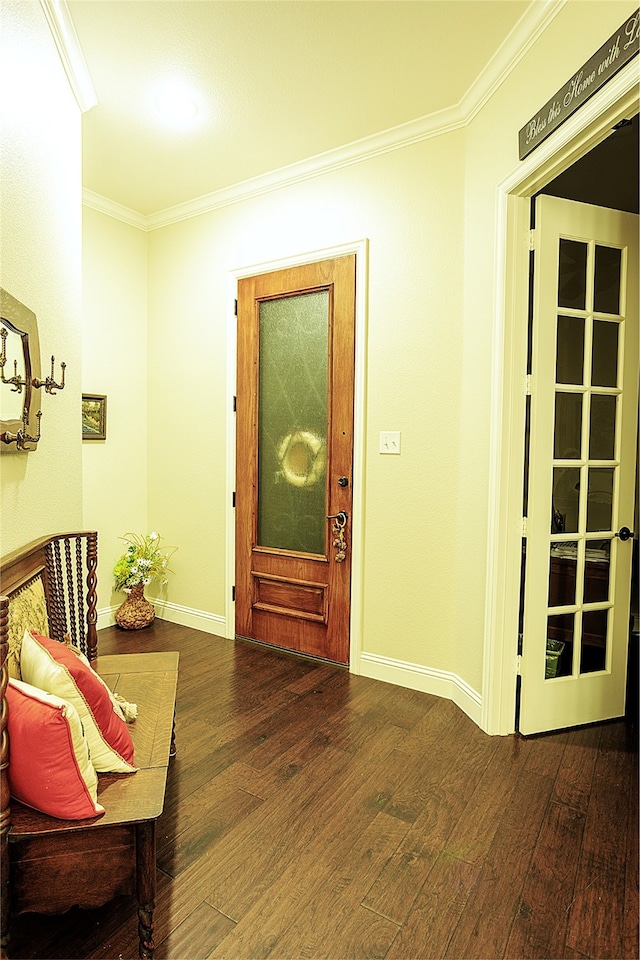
<point>144,560</point>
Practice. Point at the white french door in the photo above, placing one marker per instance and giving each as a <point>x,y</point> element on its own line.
<point>583,437</point>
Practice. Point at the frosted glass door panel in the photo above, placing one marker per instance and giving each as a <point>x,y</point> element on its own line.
<point>292,422</point>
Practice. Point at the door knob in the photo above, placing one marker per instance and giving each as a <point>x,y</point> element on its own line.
<point>624,534</point>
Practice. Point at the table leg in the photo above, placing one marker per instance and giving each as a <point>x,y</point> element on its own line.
<point>172,749</point>
<point>146,885</point>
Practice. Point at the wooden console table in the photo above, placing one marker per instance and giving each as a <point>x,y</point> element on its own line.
<point>57,864</point>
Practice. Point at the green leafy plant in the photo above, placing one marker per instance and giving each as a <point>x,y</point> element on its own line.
<point>143,561</point>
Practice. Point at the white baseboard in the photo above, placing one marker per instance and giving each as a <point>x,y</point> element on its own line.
<point>106,617</point>
<point>440,683</point>
<point>189,617</point>
<point>174,613</point>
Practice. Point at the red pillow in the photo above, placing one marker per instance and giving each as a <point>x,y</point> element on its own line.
<point>49,767</point>
<point>56,668</point>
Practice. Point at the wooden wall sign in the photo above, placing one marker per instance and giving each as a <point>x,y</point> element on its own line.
<point>611,57</point>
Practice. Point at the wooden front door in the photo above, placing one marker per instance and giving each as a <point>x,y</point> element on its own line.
<point>294,409</point>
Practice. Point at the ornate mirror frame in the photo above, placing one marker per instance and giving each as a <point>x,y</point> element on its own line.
<point>20,322</point>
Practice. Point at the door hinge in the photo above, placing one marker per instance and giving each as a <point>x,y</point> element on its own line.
<point>235,308</point>
<point>235,404</point>
<point>233,593</point>
<point>528,384</point>
<point>233,499</point>
<point>519,665</point>
<point>532,239</point>
<point>524,526</point>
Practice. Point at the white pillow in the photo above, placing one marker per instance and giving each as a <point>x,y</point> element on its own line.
<point>54,667</point>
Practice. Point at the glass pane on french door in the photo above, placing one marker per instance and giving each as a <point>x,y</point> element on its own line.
<point>585,468</point>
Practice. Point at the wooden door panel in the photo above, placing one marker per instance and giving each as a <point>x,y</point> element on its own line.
<point>294,598</point>
<point>290,597</point>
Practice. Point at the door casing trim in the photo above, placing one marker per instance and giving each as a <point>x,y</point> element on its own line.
<point>584,130</point>
<point>361,249</point>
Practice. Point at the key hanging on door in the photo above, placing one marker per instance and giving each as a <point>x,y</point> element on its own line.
<point>339,539</point>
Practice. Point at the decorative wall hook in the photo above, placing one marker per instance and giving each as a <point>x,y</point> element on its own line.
<point>16,382</point>
<point>49,383</point>
<point>16,319</point>
<point>22,438</point>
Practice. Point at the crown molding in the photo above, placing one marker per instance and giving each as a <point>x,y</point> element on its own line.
<point>524,34</point>
<point>527,30</point>
<point>95,201</point>
<point>355,152</point>
<point>70,52</point>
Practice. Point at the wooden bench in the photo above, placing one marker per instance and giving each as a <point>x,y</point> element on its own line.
<point>50,865</point>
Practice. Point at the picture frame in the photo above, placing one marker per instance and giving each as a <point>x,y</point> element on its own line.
<point>94,416</point>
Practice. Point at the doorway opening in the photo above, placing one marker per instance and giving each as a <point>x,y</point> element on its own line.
<point>607,177</point>
<point>587,128</point>
<point>294,457</point>
<point>291,452</point>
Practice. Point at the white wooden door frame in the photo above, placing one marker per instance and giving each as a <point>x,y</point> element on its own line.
<point>579,134</point>
<point>361,249</point>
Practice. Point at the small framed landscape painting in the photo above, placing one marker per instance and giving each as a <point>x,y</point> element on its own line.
<point>94,416</point>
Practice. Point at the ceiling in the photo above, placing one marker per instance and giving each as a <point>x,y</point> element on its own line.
<point>275,82</point>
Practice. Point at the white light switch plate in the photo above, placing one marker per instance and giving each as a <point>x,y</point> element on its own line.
<point>389,441</point>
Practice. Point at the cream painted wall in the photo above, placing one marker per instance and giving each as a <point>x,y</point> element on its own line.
<point>429,213</point>
<point>574,35</point>
<point>40,264</point>
<point>114,311</point>
<point>410,206</point>
<point>492,154</point>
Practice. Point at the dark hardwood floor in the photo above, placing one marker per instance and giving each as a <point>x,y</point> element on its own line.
<point>311,814</point>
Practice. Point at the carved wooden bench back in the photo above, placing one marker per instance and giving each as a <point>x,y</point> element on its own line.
<point>51,588</point>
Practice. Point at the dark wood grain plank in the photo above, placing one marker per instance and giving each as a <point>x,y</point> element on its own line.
<point>283,833</point>
<point>601,874</point>
<point>540,926</point>
<point>444,784</point>
<point>575,775</point>
<point>630,943</point>
<point>485,923</point>
<point>353,846</point>
<point>436,911</point>
<point>474,829</point>
<point>548,754</point>
<point>318,895</point>
<point>363,936</point>
<point>196,936</point>
<point>207,818</point>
